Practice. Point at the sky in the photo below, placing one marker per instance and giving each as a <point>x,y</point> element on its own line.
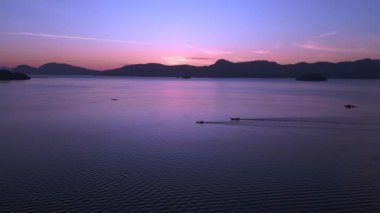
<point>105,34</point>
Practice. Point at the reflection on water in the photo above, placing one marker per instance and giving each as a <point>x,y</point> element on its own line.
<point>132,144</point>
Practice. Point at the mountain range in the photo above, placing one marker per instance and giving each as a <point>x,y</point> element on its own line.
<point>365,68</point>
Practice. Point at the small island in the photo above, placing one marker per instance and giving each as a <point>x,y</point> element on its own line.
<point>7,75</point>
<point>311,77</point>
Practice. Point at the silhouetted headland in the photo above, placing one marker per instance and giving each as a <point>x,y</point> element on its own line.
<point>311,77</point>
<point>362,69</point>
<point>7,75</point>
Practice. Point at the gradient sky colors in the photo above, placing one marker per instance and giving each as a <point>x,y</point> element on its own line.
<point>104,34</point>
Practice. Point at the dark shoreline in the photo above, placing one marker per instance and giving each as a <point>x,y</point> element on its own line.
<point>362,69</point>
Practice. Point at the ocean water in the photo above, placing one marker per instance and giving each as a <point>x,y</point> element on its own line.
<point>132,144</point>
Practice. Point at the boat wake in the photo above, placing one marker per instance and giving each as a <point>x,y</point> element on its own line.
<point>365,124</point>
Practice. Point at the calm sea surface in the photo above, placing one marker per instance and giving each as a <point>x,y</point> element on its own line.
<point>66,145</point>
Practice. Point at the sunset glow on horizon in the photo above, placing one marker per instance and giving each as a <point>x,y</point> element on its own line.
<point>101,34</point>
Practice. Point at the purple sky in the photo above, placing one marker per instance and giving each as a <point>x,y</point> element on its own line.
<point>104,34</point>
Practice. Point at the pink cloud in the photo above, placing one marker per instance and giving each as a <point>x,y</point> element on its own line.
<point>262,52</point>
<point>319,47</point>
<point>176,60</point>
<point>216,52</point>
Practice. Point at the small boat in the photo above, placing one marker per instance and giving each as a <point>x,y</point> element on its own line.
<point>350,106</point>
<point>235,119</point>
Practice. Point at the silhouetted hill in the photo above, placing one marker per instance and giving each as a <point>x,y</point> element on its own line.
<point>365,68</point>
<point>25,69</point>
<point>222,63</point>
<point>154,70</point>
<point>55,69</point>
<point>64,69</point>
<point>222,69</point>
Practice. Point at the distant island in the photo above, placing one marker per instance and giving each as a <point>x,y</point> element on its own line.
<point>361,69</point>
<point>7,75</point>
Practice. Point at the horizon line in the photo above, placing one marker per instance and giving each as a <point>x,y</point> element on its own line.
<point>239,62</point>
